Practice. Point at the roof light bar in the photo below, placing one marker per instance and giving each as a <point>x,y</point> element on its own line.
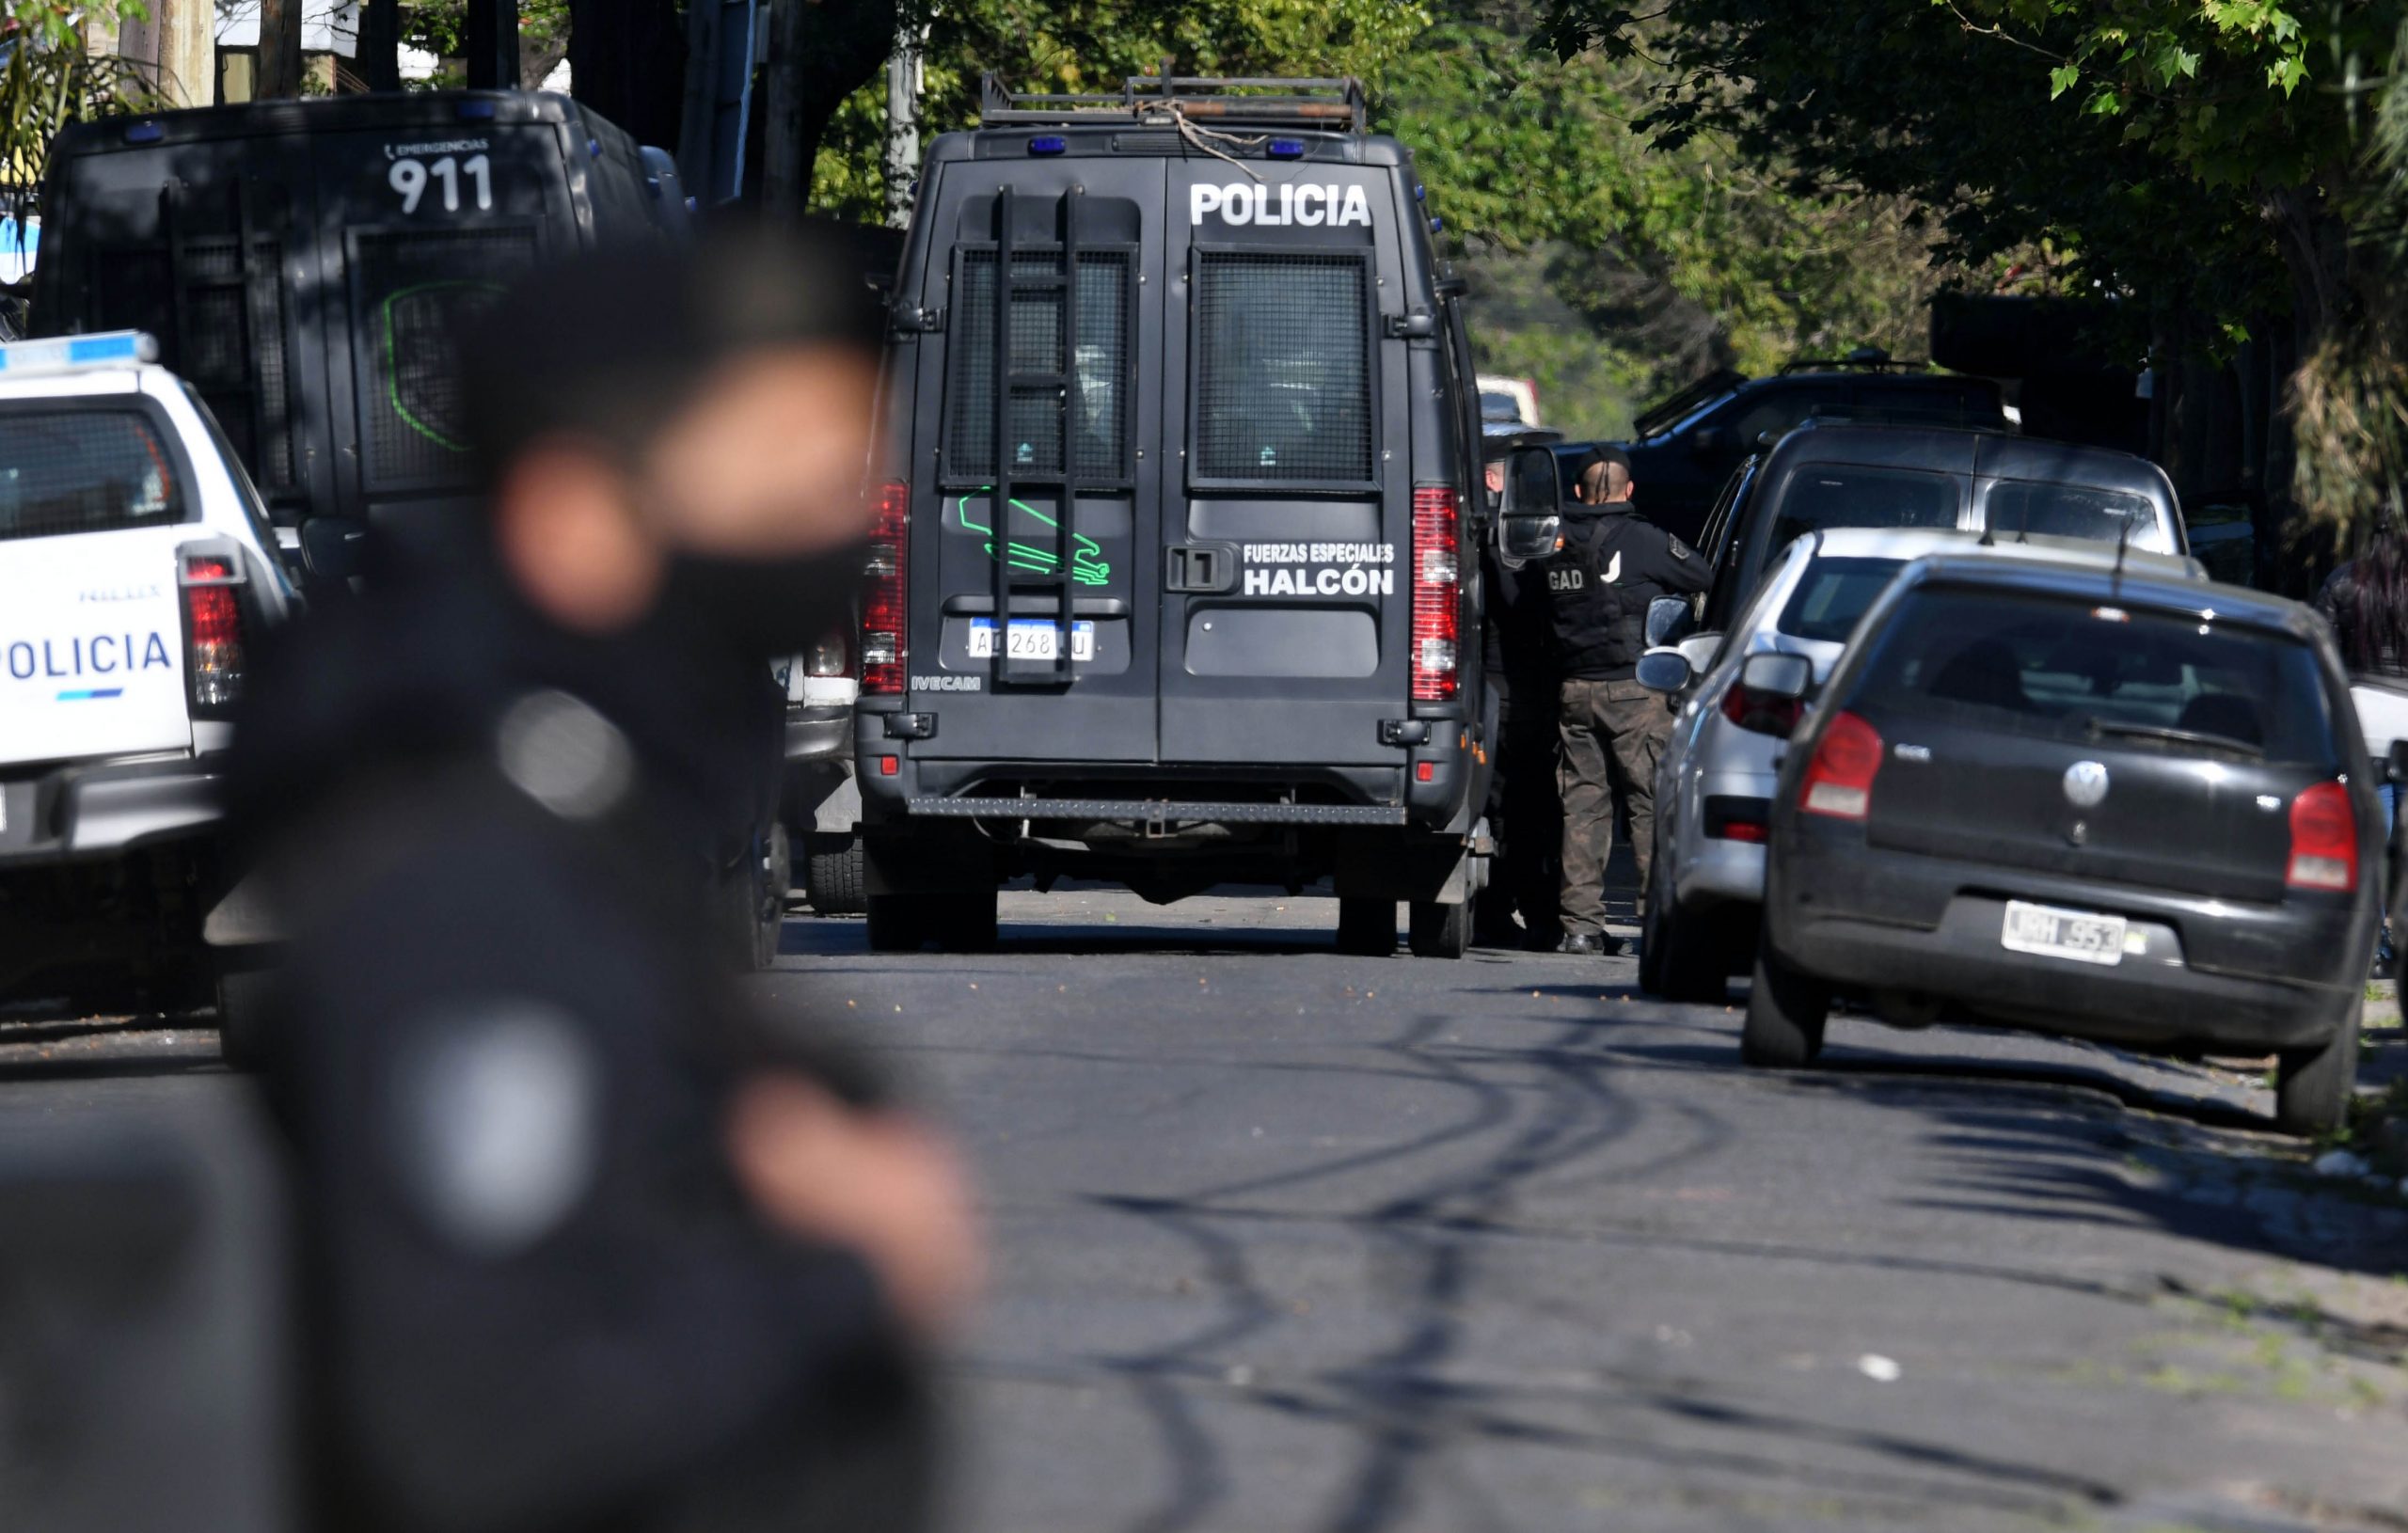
<point>65,353</point>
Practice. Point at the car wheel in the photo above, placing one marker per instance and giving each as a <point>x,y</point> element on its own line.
<point>1438,931</point>
<point>752,900</point>
<point>1367,927</point>
<point>2313,1086</point>
<point>897,922</point>
<point>1786,1011</point>
<point>244,1029</point>
<point>835,881</point>
<point>964,923</point>
<point>1691,969</point>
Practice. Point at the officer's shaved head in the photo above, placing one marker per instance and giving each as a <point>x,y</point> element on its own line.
<point>1605,477</point>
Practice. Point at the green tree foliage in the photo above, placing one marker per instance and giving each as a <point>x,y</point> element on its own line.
<point>53,77</point>
<point>1607,270</point>
<point>2195,154</point>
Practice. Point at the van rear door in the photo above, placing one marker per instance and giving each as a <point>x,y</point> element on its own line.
<point>418,226</point>
<point>1036,481</point>
<point>1286,537</point>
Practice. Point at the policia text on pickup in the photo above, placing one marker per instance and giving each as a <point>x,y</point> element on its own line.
<point>1174,581</point>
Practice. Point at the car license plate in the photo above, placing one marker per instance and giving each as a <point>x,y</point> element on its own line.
<point>1033,640</point>
<point>2080,935</point>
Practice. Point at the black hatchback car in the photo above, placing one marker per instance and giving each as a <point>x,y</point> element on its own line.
<point>2102,805</point>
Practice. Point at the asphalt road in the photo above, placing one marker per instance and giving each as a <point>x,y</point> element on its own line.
<point>1288,1241</point>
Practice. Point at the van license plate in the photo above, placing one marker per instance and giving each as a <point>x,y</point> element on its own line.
<point>1032,640</point>
<point>2079,935</point>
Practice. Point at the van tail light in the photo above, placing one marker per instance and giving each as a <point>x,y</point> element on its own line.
<point>1839,781</point>
<point>1762,715</point>
<point>1437,592</point>
<point>2324,839</point>
<point>885,619</point>
<point>215,654</point>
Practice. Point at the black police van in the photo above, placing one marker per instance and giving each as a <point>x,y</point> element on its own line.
<point>301,264</point>
<point>1174,582</point>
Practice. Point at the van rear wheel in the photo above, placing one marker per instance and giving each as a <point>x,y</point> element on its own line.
<point>833,877</point>
<point>2313,1087</point>
<point>897,922</point>
<point>1366,927</point>
<point>1438,931</point>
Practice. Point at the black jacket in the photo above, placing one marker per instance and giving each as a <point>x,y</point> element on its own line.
<point>533,1293</point>
<point>1611,564</point>
<point>1517,637</point>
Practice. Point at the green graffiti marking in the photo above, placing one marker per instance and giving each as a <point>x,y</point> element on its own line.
<point>393,356</point>
<point>1087,564</point>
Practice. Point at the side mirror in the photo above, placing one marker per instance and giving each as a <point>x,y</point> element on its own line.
<point>1663,671</point>
<point>1699,649</point>
<point>1533,484</point>
<point>1784,677</point>
<point>1710,441</point>
<point>1521,539</point>
<point>333,548</point>
<point>1667,620</point>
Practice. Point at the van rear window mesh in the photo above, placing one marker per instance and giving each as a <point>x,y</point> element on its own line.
<point>86,470</point>
<point>1096,392</point>
<point>416,289</point>
<point>1283,369</point>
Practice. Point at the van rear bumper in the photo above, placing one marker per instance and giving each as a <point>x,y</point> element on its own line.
<point>78,814</point>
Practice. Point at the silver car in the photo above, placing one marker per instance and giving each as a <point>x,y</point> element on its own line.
<point>1740,694</point>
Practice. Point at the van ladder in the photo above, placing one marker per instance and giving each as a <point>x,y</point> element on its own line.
<point>1008,578</point>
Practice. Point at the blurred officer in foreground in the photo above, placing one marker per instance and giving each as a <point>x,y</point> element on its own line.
<point>585,1243</point>
<point>1524,814</point>
<point>1610,564</point>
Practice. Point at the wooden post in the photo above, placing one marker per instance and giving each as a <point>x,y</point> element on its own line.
<point>187,50</point>
<point>491,38</point>
<point>279,66</point>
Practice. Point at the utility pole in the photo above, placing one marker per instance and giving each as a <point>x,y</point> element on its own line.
<point>906,78</point>
<point>380,44</point>
<point>279,65</point>
<point>491,38</point>
<point>785,179</point>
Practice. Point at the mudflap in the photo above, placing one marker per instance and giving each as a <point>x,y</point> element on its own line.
<point>907,859</point>
<point>1437,868</point>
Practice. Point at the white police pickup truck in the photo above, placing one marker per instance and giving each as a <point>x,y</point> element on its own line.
<point>137,570</point>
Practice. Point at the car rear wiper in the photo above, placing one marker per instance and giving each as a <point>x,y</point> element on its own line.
<point>2174,736</point>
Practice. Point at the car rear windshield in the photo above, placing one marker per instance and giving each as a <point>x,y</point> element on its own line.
<point>1821,495</point>
<point>2082,670</point>
<point>84,470</point>
<point>2070,511</point>
<point>1833,595</point>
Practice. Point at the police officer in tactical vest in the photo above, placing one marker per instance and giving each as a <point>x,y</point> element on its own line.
<point>1608,565</point>
<point>587,1241</point>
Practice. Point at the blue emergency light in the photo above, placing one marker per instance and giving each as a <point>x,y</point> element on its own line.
<point>64,354</point>
<point>474,109</point>
<point>1287,149</point>
<point>145,133</point>
<point>1048,144</point>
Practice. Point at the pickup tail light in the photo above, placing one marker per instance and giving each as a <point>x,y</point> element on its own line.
<point>2324,840</point>
<point>215,654</point>
<point>831,656</point>
<point>1839,781</point>
<point>885,618</point>
<point>1437,593</point>
<point>1760,714</point>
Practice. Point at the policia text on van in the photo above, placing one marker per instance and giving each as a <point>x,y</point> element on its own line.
<point>1174,583</point>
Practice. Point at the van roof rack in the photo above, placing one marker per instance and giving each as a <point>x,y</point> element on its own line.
<point>1334,106</point>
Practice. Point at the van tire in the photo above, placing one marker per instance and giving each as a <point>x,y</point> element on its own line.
<point>835,879</point>
<point>244,991</point>
<point>1786,1013</point>
<point>964,923</point>
<point>897,922</point>
<point>1438,931</point>
<point>2313,1086</point>
<point>1366,927</point>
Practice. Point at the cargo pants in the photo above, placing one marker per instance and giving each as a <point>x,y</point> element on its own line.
<point>1612,733</point>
